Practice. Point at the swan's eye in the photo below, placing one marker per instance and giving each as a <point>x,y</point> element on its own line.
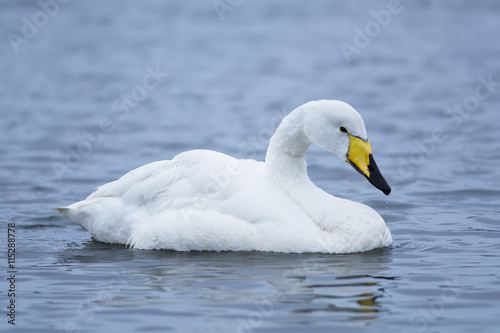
<point>343,129</point>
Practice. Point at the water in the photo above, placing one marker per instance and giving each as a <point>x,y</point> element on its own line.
<point>67,127</point>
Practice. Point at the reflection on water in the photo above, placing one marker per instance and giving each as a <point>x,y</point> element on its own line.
<point>345,288</point>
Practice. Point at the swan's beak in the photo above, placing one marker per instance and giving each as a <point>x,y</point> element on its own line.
<point>361,158</point>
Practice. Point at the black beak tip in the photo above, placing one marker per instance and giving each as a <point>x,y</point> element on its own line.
<point>376,178</point>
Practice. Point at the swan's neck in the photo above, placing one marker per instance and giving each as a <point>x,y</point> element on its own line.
<point>287,169</point>
<point>285,162</point>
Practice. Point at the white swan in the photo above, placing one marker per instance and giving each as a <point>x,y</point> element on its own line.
<point>205,200</point>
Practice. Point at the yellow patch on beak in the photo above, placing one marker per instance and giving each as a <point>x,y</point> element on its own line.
<point>360,157</point>
<point>359,154</point>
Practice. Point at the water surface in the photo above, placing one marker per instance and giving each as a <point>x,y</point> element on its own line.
<point>67,128</point>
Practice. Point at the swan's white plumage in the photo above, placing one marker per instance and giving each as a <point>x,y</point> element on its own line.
<point>205,200</point>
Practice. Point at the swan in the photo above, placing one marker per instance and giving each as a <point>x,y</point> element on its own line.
<point>206,200</point>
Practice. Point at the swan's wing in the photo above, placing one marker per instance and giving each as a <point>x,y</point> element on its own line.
<point>197,180</point>
<point>131,179</point>
<point>198,200</point>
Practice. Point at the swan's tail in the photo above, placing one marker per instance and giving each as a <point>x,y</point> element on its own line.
<point>103,217</point>
<point>63,210</point>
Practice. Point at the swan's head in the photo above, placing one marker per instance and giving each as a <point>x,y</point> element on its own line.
<point>336,127</point>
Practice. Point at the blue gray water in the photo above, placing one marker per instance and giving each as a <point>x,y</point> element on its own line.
<point>78,109</point>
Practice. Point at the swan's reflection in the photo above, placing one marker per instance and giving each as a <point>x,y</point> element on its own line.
<point>240,284</point>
